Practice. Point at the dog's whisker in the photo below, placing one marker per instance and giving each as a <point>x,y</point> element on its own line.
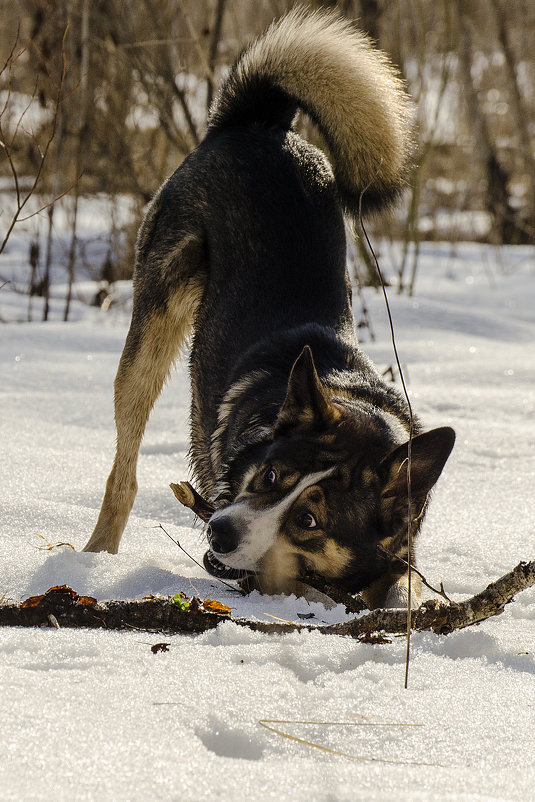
<point>181,547</point>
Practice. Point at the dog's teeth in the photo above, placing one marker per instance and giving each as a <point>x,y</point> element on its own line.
<point>218,569</point>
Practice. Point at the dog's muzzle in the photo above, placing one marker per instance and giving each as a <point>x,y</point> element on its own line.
<point>224,539</point>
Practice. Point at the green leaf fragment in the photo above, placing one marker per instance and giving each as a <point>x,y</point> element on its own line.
<point>181,602</point>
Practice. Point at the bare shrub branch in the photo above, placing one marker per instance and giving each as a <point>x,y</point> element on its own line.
<point>9,144</point>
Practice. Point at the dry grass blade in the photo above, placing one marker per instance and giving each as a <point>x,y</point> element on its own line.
<point>276,618</point>
<point>47,546</point>
<point>268,722</point>
<point>411,434</point>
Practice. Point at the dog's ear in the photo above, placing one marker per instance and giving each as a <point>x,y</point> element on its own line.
<point>307,405</point>
<point>429,453</point>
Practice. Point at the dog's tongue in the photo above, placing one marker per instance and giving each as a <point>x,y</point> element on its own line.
<point>216,568</point>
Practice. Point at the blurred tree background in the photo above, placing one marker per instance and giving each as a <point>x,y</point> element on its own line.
<point>118,93</point>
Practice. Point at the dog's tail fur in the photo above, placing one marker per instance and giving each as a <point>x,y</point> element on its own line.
<point>318,62</point>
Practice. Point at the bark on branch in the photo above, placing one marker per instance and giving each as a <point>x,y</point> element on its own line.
<point>64,608</point>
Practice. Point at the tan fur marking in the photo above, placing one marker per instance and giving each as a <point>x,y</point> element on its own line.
<point>140,377</point>
<point>224,410</point>
<point>333,561</point>
<point>279,566</point>
<point>339,392</point>
<point>367,477</point>
<point>279,569</point>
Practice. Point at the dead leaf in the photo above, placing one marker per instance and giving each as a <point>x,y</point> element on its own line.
<point>59,590</point>
<point>87,601</point>
<point>63,589</point>
<point>33,601</point>
<point>160,647</point>
<point>212,606</point>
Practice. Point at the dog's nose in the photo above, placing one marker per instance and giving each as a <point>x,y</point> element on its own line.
<point>222,535</point>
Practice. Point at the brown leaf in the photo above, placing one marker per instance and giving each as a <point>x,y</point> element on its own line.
<point>87,601</point>
<point>33,601</point>
<point>62,589</point>
<point>212,606</point>
<point>59,590</point>
<point>160,647</point>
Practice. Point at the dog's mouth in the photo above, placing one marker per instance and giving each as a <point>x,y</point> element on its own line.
<point>221,571</point>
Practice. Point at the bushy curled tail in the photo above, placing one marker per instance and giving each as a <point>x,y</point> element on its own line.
<point>318,62</point>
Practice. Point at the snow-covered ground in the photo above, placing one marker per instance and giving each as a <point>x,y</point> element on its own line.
<point>95,715</point>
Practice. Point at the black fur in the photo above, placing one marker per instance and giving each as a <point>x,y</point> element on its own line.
<point>245,246</point>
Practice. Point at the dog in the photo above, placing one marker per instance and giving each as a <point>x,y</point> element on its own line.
<point>296,440</point>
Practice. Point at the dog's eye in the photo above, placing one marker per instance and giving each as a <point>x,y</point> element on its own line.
<point>307,521</point>
<point>270,477</point>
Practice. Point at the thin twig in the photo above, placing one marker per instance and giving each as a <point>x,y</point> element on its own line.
<point>181,547</point>
<point>440,592</point>
<point>411,433</point>
<point>58,101</point>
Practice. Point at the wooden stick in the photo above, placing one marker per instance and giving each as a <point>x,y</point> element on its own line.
<point>161,614</point>
<point>188,496</point>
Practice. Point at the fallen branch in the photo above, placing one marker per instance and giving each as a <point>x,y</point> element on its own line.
<point>62,606</point>
<point>445,618</point>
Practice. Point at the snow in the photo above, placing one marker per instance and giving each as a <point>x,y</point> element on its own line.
<point>91,715</point>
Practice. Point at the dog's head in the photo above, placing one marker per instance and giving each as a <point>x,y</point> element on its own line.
<point>331,493</point>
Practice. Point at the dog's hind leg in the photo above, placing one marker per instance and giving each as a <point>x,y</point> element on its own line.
<point>167,293</point>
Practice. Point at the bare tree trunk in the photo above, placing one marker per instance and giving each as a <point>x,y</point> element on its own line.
<point>496,197</point>
<point>34,262</point>
<point>519,112</point>
<point>212,53</point>
<point>72,256</point>
<point>55,194</point>
<point>84,68</point>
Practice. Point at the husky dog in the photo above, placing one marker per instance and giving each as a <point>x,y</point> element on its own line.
<point>295,439</point>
